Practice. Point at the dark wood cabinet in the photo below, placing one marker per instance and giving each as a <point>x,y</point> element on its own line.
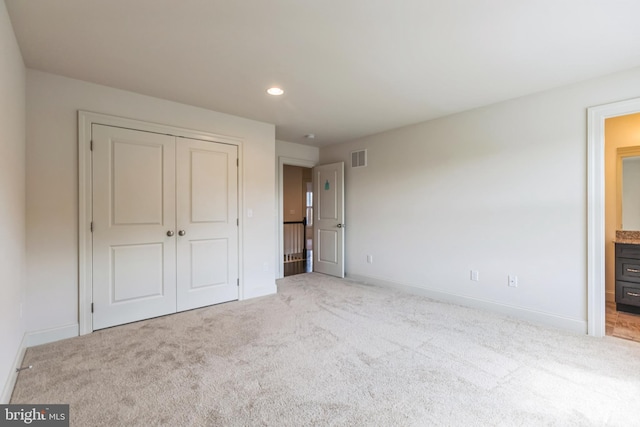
<point>628,277</point>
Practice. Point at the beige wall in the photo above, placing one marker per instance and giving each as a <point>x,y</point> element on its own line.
<point>294,208</point>
<point>621,131</point>
<point>500,189</point>
<point>52,190</point>
<point>12,203</point>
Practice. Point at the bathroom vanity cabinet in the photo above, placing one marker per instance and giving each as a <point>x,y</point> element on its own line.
<point>628,277</point>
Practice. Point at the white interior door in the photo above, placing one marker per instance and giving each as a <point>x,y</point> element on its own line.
<point>207,223</point>
<point>134,273</point>
<point>328,209</point>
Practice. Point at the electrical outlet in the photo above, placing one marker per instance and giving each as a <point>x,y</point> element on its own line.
<point>513,281</point>
<point>475,275</point>
<point>369,259</point>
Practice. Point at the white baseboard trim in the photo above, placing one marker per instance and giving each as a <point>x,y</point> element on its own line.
<point>534,316</point>
<point>50,335</point>
<point>13,373</point>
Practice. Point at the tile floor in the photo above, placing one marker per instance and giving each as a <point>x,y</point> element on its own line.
<point>620,324</point>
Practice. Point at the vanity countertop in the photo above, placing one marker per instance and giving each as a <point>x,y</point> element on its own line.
<point>627,237</point>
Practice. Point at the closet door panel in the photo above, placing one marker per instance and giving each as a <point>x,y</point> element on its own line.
<point>134,273</point>
<point>207,215</point>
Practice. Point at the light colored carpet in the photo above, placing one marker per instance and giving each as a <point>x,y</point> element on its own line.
<point>326,351</point>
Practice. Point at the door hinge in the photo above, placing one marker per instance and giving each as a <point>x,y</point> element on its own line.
<point>91,145</point>
<point>238,282</point>
<point>238,222</point>
<point>237,162</point>
<point>91,226</point>
<point>92,307</point>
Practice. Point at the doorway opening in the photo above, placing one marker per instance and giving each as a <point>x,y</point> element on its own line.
<point>297,215</point>
<point>596,241</point>
<point>622,222</point>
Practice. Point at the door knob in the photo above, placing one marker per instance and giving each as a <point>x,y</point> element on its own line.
<point>340,225</point>
<point>170,233</point>
<point>181,233</point>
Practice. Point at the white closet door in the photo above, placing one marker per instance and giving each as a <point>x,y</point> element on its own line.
<point>207,215</point>
<point>134,274</point>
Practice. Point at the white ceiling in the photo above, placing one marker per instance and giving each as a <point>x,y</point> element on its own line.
<point>350,68</point>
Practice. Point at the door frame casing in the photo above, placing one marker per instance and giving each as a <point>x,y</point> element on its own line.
<point>86,120</point>
<point>290,161</point>
<point>596,288</point>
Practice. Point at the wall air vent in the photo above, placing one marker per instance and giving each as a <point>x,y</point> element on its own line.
<point>359,159</point>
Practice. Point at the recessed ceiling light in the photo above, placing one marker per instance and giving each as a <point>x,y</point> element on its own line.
<point>309,136</point>
<point>275,91</point>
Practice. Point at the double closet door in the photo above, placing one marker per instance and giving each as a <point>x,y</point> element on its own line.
<point>165,224</point>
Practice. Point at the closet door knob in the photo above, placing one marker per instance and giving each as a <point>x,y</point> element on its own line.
<point>181,233</point>
<point>170,233</point>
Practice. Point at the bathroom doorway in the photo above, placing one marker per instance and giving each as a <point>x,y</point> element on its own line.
<point>621,154</point>
<point>596,241</point>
